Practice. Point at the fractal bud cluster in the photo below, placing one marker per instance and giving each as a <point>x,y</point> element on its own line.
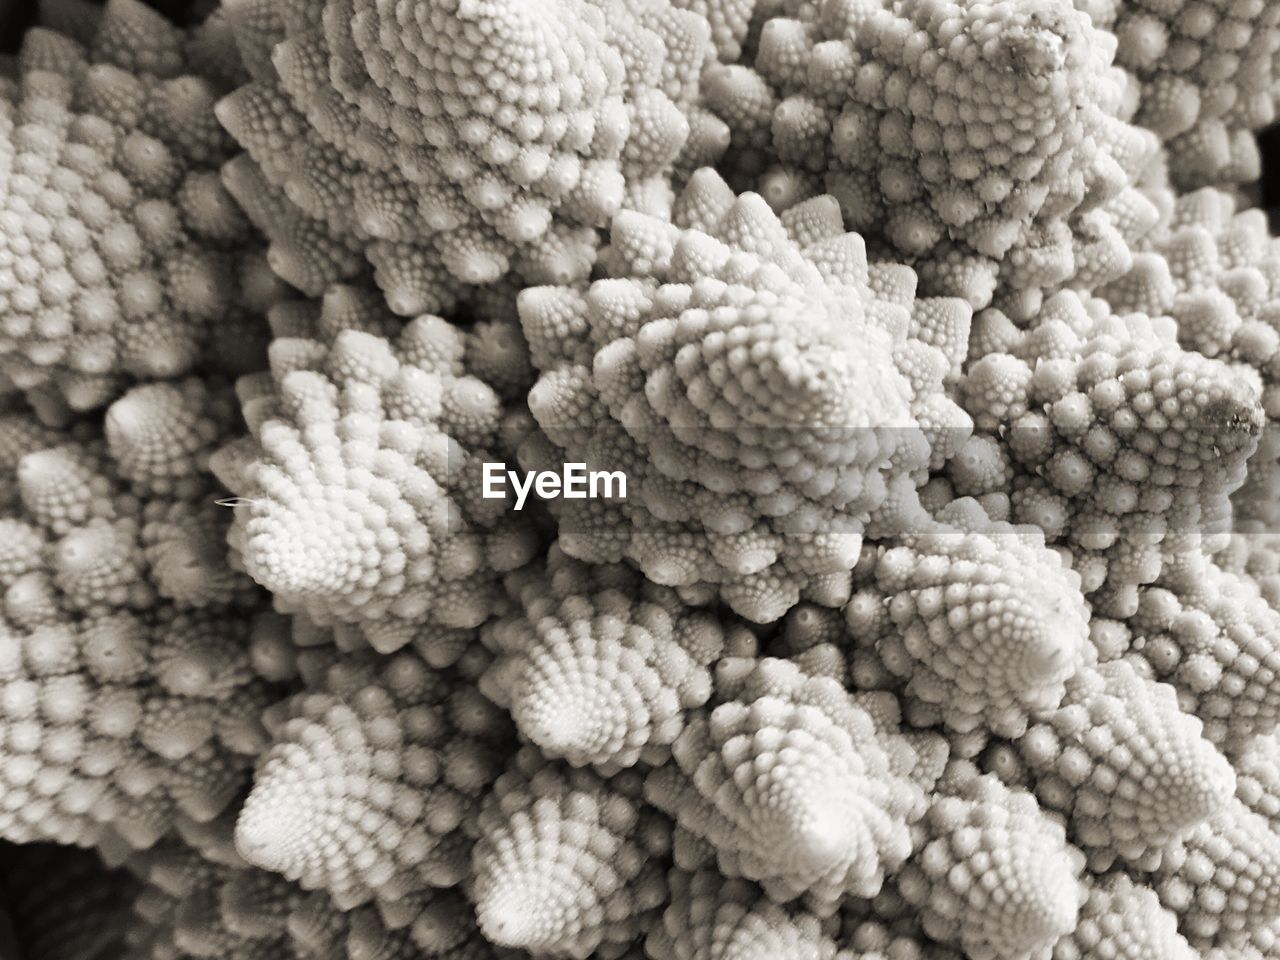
<point>937,344</point>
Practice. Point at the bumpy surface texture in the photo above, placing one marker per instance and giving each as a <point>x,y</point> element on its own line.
<point>453,142</point>
<point>765,391</point>
<point>1208,76</point>
<point>799,785</point>
<point>605,680</point>
<point>979,138</point>
<point>359,494</point>
<point>994,875</point>
<point>555,899</point>
<point>122,256</point>
<point>639,480</point>
<point>127,695</point>
<point>982,621</point>
<point>388,758</point>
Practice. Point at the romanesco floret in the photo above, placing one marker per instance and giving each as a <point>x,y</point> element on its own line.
<point>764,390</point>
<point>128,699</point>
<point>567,863</point>
<point>729,21</point>
<point>973,131</point>
<point>359,495</point>
<point>1255,556</point>
<point>200,900</point>
<point>871,940</point>
<point>1126,437</point>
<point>981,622</point>
<point>994,875</point>
<point>1121,920</point>
<point>600,667</point>
<point>451,143</point>
<point>1223,879</point>
<point>1216,271</point>
<point>917,633</point>
<point>1207,632</point>
<point>196,901</point>
<point>793,782</point>
<point>122,256</point>
<point>1124,763</point>
<point>1208,75</point>
<point>711,918</point>
<point>371,784</point>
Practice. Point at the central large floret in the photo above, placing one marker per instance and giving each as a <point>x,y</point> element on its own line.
<point>765,391</point>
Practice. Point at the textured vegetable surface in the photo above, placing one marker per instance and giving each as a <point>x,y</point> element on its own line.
<point>932,609</point>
